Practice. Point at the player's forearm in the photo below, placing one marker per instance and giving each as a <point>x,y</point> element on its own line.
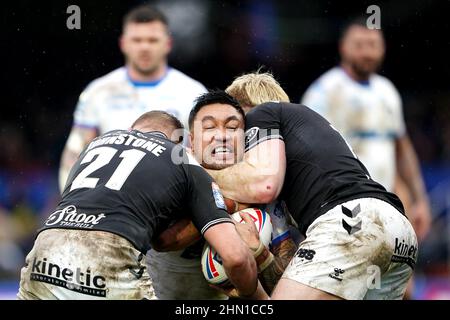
<point>78,139</point>
<point>243,275</point>
<point>408,168</point>
<point>259,177</point>
<point>259,294</point>
<point>238,262</point>
<point>273,272</point>
<point>244,183</point>
<point>68,159</point>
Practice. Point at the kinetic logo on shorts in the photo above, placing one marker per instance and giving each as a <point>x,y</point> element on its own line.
<point>74,280</point>
<point>404,253</point>
<point>69,217</point>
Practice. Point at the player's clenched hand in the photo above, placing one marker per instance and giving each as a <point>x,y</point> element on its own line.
<point>248,232</point>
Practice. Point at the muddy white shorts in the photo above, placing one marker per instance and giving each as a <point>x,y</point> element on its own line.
<point>79,264</point>
<point>361,249</point>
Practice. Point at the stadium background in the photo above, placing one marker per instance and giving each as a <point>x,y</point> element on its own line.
<point>46,66</point>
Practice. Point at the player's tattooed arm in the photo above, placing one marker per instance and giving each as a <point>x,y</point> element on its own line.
<point>283,254</point>
<point>78,139</point>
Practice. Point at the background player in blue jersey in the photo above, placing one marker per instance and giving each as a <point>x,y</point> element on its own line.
<point>145,83</point>
<point>367,109</point>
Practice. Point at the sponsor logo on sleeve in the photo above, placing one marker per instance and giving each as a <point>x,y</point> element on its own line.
<point>218,198</point>
<point>251,135</point>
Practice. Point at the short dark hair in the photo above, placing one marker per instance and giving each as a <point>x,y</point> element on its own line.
<point>144,13</point>
<point>358,21</point>
<point>215,96</point>
<point>158,120</point>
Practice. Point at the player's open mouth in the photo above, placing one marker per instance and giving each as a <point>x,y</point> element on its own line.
<point>222,150</point>
<point>222,153</point>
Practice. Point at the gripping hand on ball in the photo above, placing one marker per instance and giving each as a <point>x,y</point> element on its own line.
<point>248,232</point>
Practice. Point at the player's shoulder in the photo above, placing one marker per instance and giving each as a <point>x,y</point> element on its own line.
<point>328,80</point>
<point>112,79</point>
<point>186,81</point>
<point>189,159</point>
<point>277,107</point>
<point>384,83</point>
<point>332,77</point>
<point>269,107</point>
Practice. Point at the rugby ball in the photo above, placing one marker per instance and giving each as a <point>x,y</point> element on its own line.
<point>212,265</point>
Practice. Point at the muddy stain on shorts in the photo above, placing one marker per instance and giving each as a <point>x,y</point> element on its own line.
<point>80,264</point>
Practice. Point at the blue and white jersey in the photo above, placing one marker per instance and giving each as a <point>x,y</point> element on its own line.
<point>114,101</point>
<point>279,216</point>
<point>368,115</point>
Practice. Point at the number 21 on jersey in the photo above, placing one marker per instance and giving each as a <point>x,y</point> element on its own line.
<point>130,159</point>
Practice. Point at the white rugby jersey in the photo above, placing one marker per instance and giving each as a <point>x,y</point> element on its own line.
<point>368,115</point>
<point>114,101</point>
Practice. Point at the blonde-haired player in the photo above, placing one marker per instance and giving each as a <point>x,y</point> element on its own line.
<point>252,89</point>
<point>351,223</point>
<point>217,139</point>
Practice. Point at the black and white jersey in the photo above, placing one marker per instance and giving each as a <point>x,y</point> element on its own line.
<point>135,184</point>
<point>321,169</point>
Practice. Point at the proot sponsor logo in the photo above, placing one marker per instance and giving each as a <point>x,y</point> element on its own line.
<point>82,281</point>
<point>69,217</point>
